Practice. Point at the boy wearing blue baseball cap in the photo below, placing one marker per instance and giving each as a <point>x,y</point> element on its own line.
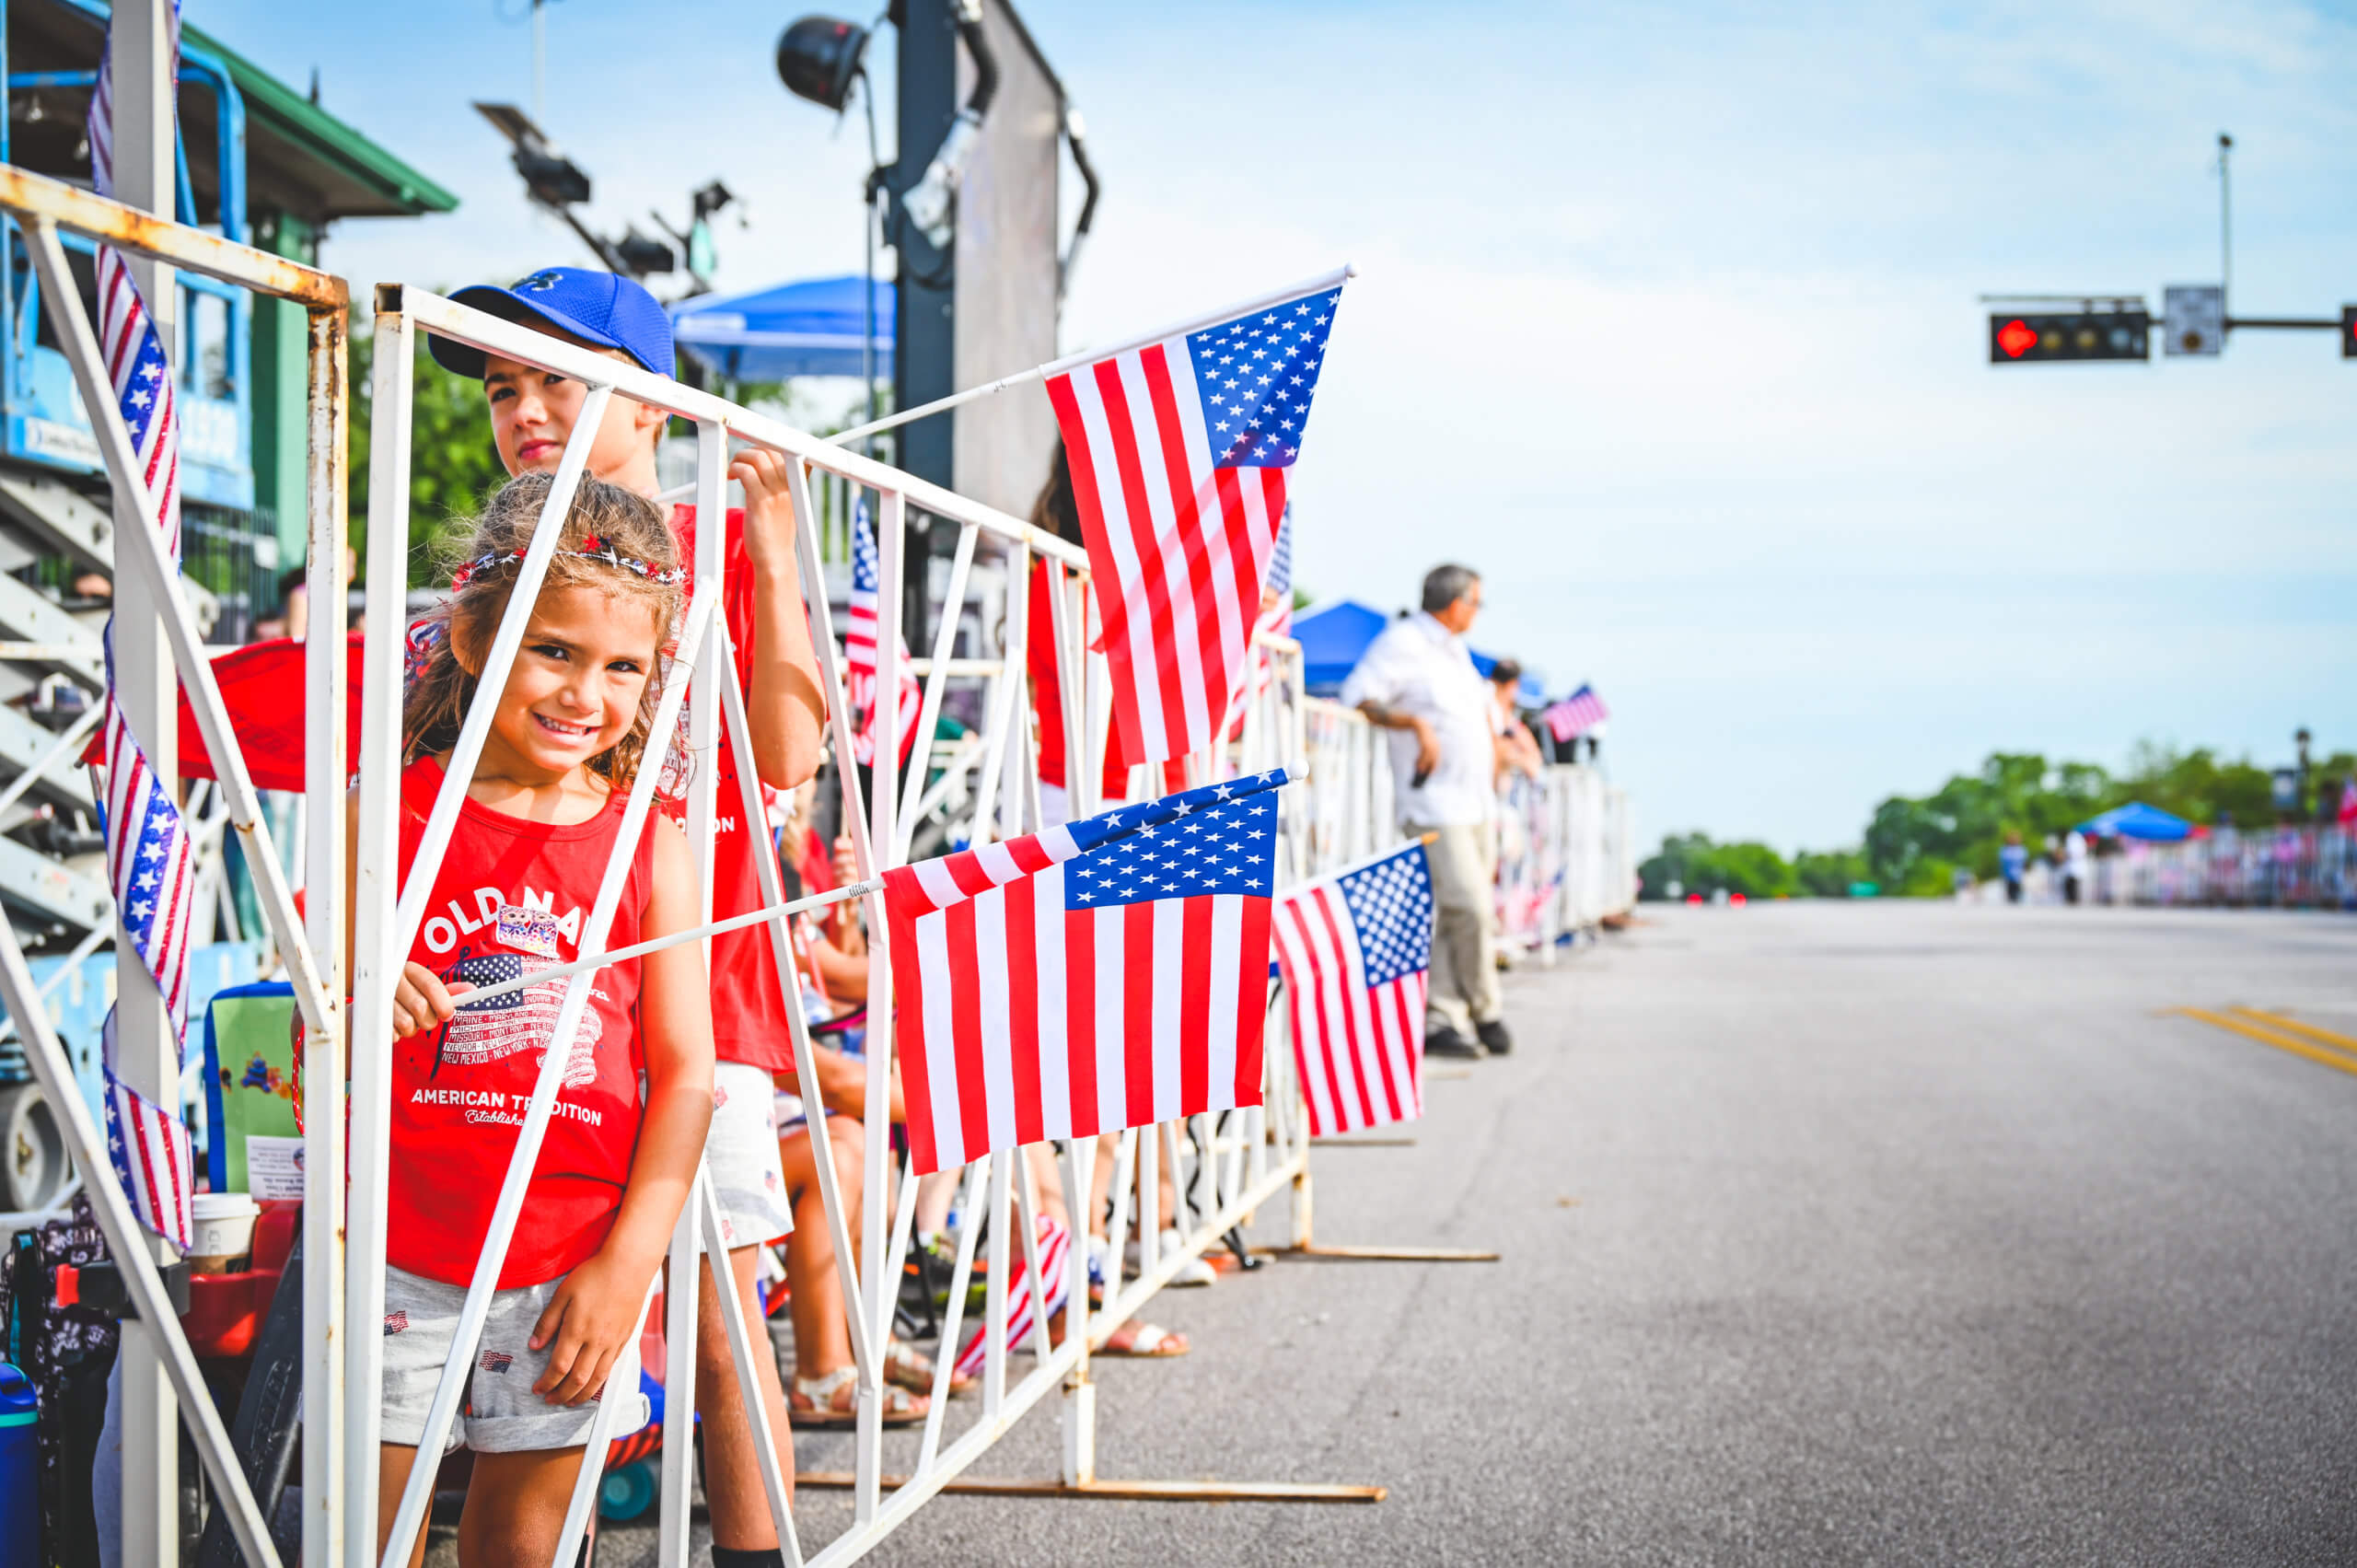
<point>533,414</point>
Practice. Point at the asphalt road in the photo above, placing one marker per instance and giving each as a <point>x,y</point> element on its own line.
<point>1832,1233</point>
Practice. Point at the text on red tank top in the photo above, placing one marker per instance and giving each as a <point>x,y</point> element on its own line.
<point>509,900</point>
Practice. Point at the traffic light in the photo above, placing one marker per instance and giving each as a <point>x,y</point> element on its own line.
<point>2045,337</point>
<point>2349,331</point>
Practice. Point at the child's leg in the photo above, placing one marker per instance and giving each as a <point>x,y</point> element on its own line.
<point>821,1329</point>
<point>420,1324</point>
<point>393,1465</point>
<point>732,1476</point>
<point>515,1507</point>
<point>742,1156</point>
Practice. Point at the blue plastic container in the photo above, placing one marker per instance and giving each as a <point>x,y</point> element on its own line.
<point>19,1472</point>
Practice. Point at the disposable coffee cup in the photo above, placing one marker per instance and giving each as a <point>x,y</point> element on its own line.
<point>224,1231</point>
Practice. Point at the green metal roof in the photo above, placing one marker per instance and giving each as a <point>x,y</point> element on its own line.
<point>362,179</point>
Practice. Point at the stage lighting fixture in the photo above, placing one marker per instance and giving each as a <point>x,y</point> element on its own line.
<point>817,58</point>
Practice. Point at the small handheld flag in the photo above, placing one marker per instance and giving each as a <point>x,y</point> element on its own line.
<point>859,650</point>
<point>1356,951</point>
<point>1575,715</point>
<point>1178,452</point>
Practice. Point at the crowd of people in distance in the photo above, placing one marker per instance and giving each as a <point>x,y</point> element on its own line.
<point>1455,738</point>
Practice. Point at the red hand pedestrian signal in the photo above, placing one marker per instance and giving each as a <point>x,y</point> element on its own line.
<point>2015,338</point>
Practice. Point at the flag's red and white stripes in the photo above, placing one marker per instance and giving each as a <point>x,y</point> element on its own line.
<point>1275,621</point>
<point>149,1149</point>
<point>1022,1312</point>
<point>859,653</point>
<point>1360,1049</point>
<point>1575,715</point>
<point>1179,545</point>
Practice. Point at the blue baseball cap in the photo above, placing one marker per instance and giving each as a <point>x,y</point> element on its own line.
<point>601,308</point>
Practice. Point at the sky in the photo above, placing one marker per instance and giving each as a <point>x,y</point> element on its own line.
<point>1667,322</point>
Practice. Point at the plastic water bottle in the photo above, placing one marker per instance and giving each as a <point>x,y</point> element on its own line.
<point>19,1472</point>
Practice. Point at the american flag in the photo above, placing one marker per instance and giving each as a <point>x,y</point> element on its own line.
<point>1576,715</point>
<point>150,857</point>
<point>1055,1259</point>
<point>1356,951</point>
<point>1178,454</point>
<point>515,1020</point>
<point>859,650</point>
<point>148,1146</point>
<point>1276,621</point>
<point>1107,973</point>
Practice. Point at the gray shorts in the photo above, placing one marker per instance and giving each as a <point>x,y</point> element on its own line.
<point>501,1414</point>
<point>741,1154</point>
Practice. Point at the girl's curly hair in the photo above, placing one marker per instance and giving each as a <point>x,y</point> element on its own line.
<point>606,524</point>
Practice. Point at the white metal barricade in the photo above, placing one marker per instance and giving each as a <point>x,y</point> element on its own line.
<point>1223,1167</point>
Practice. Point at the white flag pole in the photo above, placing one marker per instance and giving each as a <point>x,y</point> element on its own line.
<point>1058,366</point>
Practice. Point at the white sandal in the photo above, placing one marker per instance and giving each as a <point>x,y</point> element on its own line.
<point>901,1406</point>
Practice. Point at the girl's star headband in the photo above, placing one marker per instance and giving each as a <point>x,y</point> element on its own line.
<point>592,549</point>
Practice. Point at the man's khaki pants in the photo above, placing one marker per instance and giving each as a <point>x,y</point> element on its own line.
<point>1464,862</point>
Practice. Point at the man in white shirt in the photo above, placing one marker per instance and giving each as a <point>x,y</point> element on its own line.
<point>1418,681</point>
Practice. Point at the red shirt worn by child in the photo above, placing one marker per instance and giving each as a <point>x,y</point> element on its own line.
<point>749,1022</point>
<point>510,898</point>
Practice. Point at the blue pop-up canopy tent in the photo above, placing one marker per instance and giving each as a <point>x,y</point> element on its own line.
<point>809,327</point>
<point>1335,636</point>
<point>1332,638</point>
<point>2138,820</point>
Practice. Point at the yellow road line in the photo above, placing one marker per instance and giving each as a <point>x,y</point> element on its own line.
<point>2293,1026</point>
<point>2268,1036</point>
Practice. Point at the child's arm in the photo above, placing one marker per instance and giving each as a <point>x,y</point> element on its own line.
<point>784,707</point>
<point>596,1311</point>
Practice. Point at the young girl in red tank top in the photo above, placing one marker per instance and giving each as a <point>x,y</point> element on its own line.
<point>512,895</point>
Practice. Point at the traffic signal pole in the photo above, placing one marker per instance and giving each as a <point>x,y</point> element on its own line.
<point>2043,328</point>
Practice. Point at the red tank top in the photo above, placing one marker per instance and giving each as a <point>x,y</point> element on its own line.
<point>749,1022</point>
<point>510,898</point>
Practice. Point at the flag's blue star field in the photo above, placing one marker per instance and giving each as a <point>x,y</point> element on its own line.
<point>1256,374</point>
<point>1391,904</point>
<point>1220,839</point>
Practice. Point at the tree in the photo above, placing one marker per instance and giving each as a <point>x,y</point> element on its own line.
<point>453,465</point>
<point>1698,866</point>
<point>1829,874</point>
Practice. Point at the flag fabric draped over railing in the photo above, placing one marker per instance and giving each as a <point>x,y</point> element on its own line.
<point>1355,952</point>
<point>1100,975</point>
<point>150,856</point>
<point>1575,715</point>
<point>1179,454</point>
<point>859,650</point>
